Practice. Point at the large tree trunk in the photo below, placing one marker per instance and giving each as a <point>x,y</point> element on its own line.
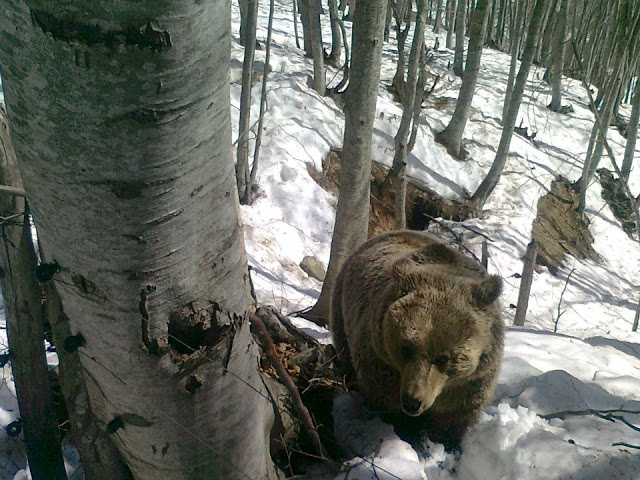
<point>25,324</point>
<point>451,136</point>
<point>352,214</point>
<point>458,55</point>
<point>560,49</point>
<point>398,171</point>
<point>491,180</point>
<point>123,139</point>
<point>632,135</point>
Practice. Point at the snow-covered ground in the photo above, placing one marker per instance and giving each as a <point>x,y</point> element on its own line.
<point>544,421</point>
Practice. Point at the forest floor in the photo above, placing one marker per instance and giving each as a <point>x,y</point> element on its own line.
<point>546,420</point>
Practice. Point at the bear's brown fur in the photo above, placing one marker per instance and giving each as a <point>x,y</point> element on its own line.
<point>418,324</point>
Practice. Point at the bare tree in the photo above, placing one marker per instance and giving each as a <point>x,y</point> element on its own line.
<point>438,21</point>
<point>632,131</point>
<point>400,12</point>
<point>458,56</point>
<point>336,34</point>
<point>451,15</point>
<point>137,208</point>
<point>451,136</point>
<point>526,279</point>
<point>398,171</point>
<point>491,180</point>
<point>560,48</point>
<point>352,214</point>
<point>515,43</point>
<point>242,151</point>
<point>317,52</point>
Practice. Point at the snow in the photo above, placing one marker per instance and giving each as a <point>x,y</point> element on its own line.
<point>593,362</point>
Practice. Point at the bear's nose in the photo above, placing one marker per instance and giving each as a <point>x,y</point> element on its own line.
<point>411,405</point>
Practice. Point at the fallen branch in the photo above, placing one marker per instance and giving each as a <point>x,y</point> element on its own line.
<point>17,191</point>
<point>623,444</point>
<point>285,378</point>
<point>603,414</point>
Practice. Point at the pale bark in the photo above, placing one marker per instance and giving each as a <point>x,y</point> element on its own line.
<point>632,132</point>
<point>398,171</point>
<point>352,214</point>
<point>451,15</point>
<point>438,21</point>
<point>491,180</point>
<point>25,325</point>
<point>123,139</point>
<point>451,136</point>
<point>526,280</point>
<point>242,151</point>
<point>458,56</point>
<point>560,48</point>
<point>336,34</point>
<point>400,9</point>
<point>317,52</point>
<point>263,105</point>
<point>515,42</point>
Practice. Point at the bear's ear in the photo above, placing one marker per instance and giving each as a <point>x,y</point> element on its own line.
<point>435,253</point>
<point>487,290</point>
<point>406,273</point>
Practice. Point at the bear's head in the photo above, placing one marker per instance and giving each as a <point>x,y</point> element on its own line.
<point>435,334</point>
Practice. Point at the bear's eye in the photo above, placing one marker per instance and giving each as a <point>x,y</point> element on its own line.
<point>441,361</point>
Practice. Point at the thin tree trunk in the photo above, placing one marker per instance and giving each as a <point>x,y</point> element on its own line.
<point>400,14</point>
<point>420,91</point>
<point>352,214</point>
<point>490,39</point>
<point>25,326</point>
<point>242,151</point>
<point>263,106</point>
<point>548,27</point>
<point>451,136</point>
<point>458,56</point>
<point>560,49</point>
<point>491,180</point>
<point>525,283</point>
<point>139,213</point>
<point>243,5</point>
<point>514,43</point>
<point>451,15</point>
<point>317,52</point>
<point>295,22</point>
<point>303,7</point>
<point>336,34</point>
<point>387,21</point>
<point>502,21</point>
<point>398,171</point>
<point>438,20</point>
<point>632,129</point>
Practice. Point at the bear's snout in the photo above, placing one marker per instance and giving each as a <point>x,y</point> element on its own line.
<point>411,406</point>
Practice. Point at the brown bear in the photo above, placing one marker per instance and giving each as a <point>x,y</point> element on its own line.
<point>418,325</point>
